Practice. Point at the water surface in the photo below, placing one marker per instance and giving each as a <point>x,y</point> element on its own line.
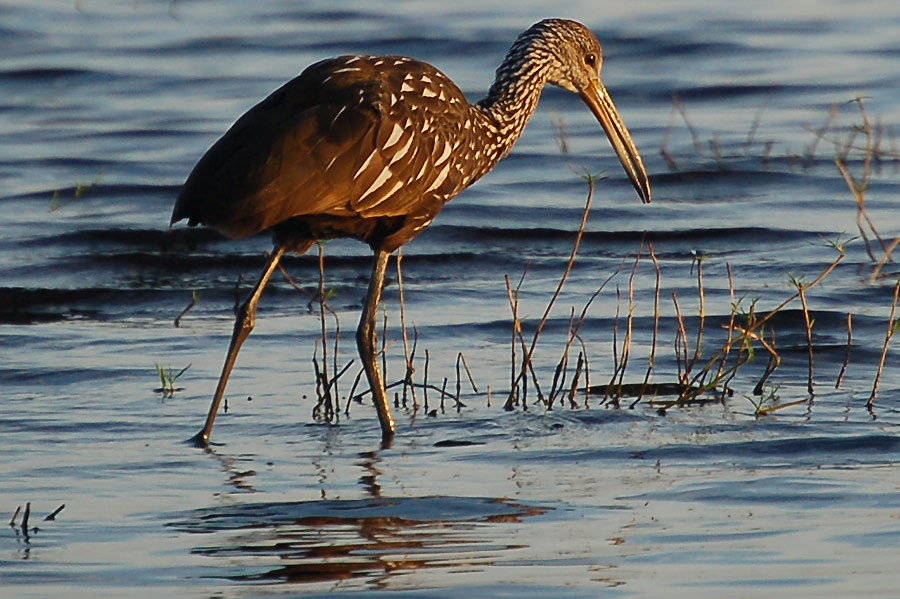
<point>106,108</point>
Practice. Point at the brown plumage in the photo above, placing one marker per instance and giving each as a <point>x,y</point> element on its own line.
<point>372,147</point>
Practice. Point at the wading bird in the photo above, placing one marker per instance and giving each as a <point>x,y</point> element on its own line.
<point>372,147</point>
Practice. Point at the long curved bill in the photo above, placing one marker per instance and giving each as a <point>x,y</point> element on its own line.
<point>598,100</point>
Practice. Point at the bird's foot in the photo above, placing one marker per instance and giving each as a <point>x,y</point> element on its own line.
<point>200,440</point>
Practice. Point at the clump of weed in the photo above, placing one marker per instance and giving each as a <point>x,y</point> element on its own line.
<point>167,379</point>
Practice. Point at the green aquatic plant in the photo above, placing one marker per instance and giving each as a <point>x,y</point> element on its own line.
<point>167,380</point>
<point>766,402</point>
<point>80,190</point>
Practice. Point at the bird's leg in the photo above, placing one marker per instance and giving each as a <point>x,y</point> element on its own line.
<point>246,319</point>
<point>366,343</point>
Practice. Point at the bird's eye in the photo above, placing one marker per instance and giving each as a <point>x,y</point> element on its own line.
<point>590,60</point>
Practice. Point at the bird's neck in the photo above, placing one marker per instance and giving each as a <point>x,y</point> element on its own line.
<point>513,97</point>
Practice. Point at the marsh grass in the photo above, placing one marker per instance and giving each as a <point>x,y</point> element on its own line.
<point>704,374</point>
<point>167,379</point>
<point>60,199</point>
<point>702,365</point>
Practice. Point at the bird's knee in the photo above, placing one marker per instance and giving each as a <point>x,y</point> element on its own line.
<point>365,341</point>
<point>245,318</point>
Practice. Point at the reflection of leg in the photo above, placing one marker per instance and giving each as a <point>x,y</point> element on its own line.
<point>246,319</point>
<point>366,343</point>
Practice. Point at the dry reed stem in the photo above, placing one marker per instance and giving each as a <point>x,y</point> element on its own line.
<point>352,391</point>
<point>754,126</point>
<point>514,398</point>
<point>747,335</point>
<point>702,310</point>
<point>774,362</point>
<point>820,133</point>
<point>410,369</point>
<point>862,214</point>
<point>619,371</point>
<point>892,327</point>
<point>858,188</point>
<point>766,411</point>
<point>837,384</point>
<point>750,333</point>
<point>527,357</point>
<point>809,341</point>
<point>25,517</point>
<point>727,375</point>
<point>681,110</point>
<point>194,299</point>
<point>876,272</point>
<point>52,515</point>
<point>816,281</point>
<point>665,141</point>
<point>681,345</point>
<point>652,358</point>
<point>324,326</point>
<point>562,367</point>
<point>587,371</point>
<point>516,332</point>
<point>730,325</point>
<point>323,304</point>
<point>716,147</point>
<point>573,331</point>
<point>872,150</point>
<point>461,358</point>
<point>615,347</point>
<point>330,411</point>
<point>573,389</point>
<point>425,380</point>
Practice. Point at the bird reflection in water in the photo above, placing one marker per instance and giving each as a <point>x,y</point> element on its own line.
<point>374,541</point>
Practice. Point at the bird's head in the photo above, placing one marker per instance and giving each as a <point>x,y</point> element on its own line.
<point>573,58</point>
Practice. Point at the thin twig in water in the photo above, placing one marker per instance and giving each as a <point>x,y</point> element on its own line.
<point>325,397</point>
<point>352,392</point>
<point>892,327</point>
<point>837,384</point>
<point>619,374</point>
<point>774,362</point>
<point>195,297</point>
<point>526,359</point>
<point>615,349</point>
<point>698,260</point>
<point>460,358</point>
<point>575,378</point>
<point>663,146</point>
<point>410,369</point>
<point>681,345</point>
<point>652,358</point>
<point>809,342</point>
<point>25,517</point>
<point>681,110</point>
<point>425,381</point>
<point>730,328</point>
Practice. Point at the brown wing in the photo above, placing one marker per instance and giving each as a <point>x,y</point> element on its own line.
<point>346,138</point>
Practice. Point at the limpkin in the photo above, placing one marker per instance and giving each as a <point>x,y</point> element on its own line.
<point>371,148</point>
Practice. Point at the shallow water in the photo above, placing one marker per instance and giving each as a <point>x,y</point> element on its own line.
<point>104,111</point>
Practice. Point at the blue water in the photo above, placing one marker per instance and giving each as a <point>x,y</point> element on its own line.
<point>739,113</point>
